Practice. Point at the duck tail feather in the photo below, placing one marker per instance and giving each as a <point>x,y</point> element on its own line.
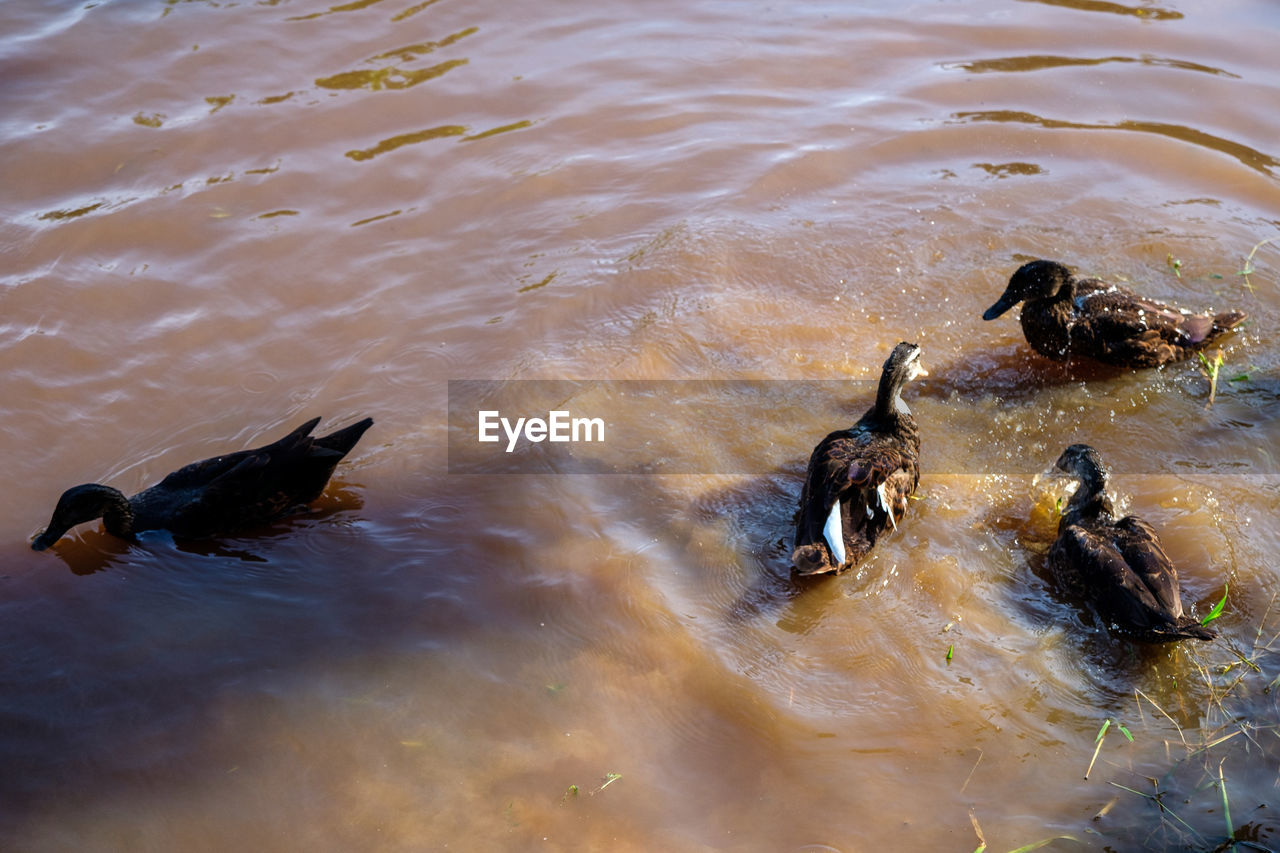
<point>342,440</point>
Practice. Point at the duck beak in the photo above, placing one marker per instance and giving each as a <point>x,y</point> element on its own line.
<point>1002,305</point>
<point>1053,475</point>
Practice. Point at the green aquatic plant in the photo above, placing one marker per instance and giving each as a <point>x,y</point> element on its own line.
<point>1248,269</point>
<point>1102,733</point>
<point>1226,809</point>
<point>1211,370</point>
<point>572,791</point>
<point>1227,727</point>
<point>1216,611</point>
<point>1026,848</point>
<point>1044,842</point>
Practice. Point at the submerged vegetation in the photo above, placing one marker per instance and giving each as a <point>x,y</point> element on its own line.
<point>1199,763</point>
<point>1248,270</point>
<point>1220,734</point>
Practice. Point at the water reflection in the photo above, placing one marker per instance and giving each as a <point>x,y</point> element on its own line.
<point>1146,12</point>
<point>412,51</point>
<point>1250,157</point>
<point>354,6</point>
<point>1040,63</point>
<point>1006,170</point>
<point>388,78</point>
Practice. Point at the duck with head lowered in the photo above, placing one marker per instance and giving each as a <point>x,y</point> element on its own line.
<point>214,496</point>
<point>1065,315</point>
<point>1118,566</point>
<point>859,478</point>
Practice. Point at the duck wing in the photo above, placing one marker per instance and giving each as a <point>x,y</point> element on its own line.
<point>223,493</point>
<point>1125,572</point>
<point>1116,314</point>
<point>198,475</point>
<point>1091,563</point>
<point>856,486</point>
<point>1142,552</point>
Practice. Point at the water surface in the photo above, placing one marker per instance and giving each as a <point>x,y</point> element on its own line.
<point>223,218</point>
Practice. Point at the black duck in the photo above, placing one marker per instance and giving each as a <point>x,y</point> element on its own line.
<point>1067,315</point>
<point>1117,565</point>
<point>859,478</point>
<point>217,495</point>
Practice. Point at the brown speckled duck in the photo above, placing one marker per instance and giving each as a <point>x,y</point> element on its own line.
<point>214,496</point>
<point>1119,566</point>
<point>859,478</point>
<point>1066,315</point>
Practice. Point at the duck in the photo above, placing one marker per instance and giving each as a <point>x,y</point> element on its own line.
<point>1066,315</point>
<point>1117,565</point>
<point>214,496</point>
<point>858,479</point>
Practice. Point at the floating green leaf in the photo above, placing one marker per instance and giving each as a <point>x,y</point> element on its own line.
<point>1102,732</point>
<point>1217,608</point>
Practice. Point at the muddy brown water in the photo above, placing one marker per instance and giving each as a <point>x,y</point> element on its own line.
<point>223,218</point>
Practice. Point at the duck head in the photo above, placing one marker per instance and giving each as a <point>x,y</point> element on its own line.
<point>902,366</point>
<point>85,503</point>
<point>1033,280</point>
<point>1084,464</point>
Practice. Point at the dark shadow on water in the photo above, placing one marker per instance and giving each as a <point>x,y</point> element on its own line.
<point>764,510</point>
<point>110,680</point>
<point>1016,373</point>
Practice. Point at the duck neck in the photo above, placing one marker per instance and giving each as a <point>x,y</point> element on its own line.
<point>1090,502</point>
<point>889,403</point>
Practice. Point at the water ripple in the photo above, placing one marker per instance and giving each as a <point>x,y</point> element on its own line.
<point>1042,62</point>
<point>1250,157</point>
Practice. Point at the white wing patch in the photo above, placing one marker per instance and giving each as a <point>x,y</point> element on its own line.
<point>884,504</point>
<point>833,532</point>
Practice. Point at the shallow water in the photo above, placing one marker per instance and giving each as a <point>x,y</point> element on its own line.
<point>221,219</point>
